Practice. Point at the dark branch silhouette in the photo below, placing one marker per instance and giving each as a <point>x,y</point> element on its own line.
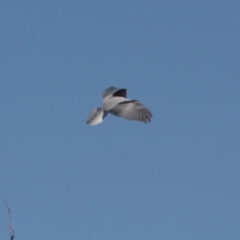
<point>11,228</point>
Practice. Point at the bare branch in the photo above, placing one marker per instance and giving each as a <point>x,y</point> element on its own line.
<point>11,228</point>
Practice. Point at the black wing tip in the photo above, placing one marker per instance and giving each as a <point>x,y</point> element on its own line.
<point>122,92</point>
<point>126,102</point>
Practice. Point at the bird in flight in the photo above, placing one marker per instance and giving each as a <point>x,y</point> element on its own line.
<point>116,103</point>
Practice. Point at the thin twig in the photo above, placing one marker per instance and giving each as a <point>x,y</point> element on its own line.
<point>11,228</point>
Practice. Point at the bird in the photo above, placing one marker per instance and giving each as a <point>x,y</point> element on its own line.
<point>115,101</point>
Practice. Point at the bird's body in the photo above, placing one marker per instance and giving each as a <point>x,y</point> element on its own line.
<point>115,102</point>
<point>111,103</point>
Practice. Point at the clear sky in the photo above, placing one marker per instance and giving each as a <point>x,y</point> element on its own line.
<point>174,178</point>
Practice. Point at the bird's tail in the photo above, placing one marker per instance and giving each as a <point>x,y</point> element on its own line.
<point>96,116</point>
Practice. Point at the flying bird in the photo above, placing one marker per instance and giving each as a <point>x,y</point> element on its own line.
<point>116,103</point>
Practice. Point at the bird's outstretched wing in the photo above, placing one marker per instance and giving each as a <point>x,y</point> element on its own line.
<point>115,92</point>
<point>132,110</point>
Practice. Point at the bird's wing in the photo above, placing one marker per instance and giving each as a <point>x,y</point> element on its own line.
<point>132,110</point>
<point>114,92</point>
<point>96,116</point>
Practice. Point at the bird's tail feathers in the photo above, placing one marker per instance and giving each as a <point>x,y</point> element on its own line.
<point>96,116</point>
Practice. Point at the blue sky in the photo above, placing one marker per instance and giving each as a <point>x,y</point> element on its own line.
<point>174,178</point>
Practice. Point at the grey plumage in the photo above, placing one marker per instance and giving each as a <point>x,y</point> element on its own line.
<point>96,116</point>
<point>116,103</point>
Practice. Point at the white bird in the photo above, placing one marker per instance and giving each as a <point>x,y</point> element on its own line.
<point>115,102</point>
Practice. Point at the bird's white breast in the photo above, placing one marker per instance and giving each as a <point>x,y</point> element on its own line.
<point>110,103</point>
